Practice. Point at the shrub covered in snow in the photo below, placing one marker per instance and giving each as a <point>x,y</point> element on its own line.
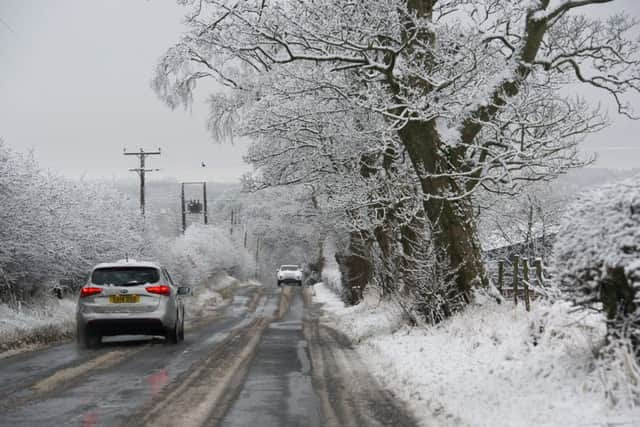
<point>598,256</point>
<point>203,251</point>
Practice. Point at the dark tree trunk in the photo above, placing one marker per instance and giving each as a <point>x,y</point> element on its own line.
<point>453,222</point>
<point>387,271</point>
<point>411,235</point>
<point>356,266</point>
<point>620,303</point>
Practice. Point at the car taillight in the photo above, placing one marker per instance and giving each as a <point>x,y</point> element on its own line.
<point>87,291</point>
<point>159,289</point>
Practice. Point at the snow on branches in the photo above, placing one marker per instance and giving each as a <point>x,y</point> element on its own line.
<point>465,95</point>
<point>489,72</point>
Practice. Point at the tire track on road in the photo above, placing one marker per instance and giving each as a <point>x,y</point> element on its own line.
<point>195,397</point>
<point>109,384</point>
<point>202,397</point>
<point>67,376</point>
<point>350,396</point>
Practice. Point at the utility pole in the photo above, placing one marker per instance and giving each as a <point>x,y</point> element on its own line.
<point>204,196</point>
<point>231,232</point>
<point>142,155</point>
<point>184,213</point>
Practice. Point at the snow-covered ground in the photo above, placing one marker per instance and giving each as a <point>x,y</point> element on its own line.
<point>492,365</point>
<point>41,322</point>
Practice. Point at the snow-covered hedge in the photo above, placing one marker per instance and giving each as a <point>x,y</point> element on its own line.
<point>203,251</point>
<point>598,255</point>
<point>53,229</point>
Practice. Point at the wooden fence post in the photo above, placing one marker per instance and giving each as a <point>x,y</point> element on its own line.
<point>500,275</point>
<point>516,258</point>
<point>525,283</point>
<point>538,263</point>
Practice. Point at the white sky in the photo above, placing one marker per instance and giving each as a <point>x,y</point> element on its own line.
<point>75,87</point>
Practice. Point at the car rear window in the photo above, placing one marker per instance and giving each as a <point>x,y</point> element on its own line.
<point>289,268</point>
<point>125,276</point>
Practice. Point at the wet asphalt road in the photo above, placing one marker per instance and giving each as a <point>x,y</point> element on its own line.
<point>278,390</point>
<point>262,360</point>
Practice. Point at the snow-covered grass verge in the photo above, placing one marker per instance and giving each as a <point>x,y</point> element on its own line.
<point>491,365</point>
<point>40,323</point>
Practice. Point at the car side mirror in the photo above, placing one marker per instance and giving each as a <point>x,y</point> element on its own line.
<point>184,290</point>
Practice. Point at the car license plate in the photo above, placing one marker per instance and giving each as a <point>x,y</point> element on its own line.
<point>124,299</point>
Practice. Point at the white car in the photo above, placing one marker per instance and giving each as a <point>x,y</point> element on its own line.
<point>289,274</point>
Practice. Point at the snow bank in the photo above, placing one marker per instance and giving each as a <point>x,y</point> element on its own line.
<point>38,323</point>
<point>369,319</point>
<point>491,365</point>
<point>210,294</point>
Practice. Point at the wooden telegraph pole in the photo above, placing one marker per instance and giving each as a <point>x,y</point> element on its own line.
<point>142,155</point>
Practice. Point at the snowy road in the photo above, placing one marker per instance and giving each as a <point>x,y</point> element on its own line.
<point>262,360</point>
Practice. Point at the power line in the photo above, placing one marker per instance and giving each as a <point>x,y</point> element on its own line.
<point>142,155</point>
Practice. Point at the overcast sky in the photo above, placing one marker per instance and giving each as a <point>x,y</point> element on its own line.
<point>75,87</point>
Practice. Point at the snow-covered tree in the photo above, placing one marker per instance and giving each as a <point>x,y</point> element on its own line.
<point>360,184</point>
<point>203,251</point>
<point>598,255</point>
<point>529,219</point>
<point>53,229</point>
<point>471,88</point>
<point>287,225</point>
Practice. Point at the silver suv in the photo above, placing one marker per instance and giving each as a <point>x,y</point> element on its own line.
<point>130,298</point>
<point>289,274</point>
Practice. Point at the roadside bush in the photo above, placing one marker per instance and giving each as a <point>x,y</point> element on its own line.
<point>598,257</point>
<point>203,251</point>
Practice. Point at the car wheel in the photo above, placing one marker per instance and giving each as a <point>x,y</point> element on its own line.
<point>181,334</point>
<point>173,334</point>
<point>87,339</point>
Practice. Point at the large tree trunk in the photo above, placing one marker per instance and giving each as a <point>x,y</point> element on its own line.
<point>387,270</point>
<point>453,222</point>
<point>356,266</point>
